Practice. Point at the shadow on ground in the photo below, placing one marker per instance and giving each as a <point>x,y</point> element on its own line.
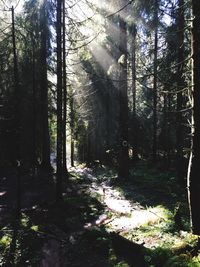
<point>55,235</point>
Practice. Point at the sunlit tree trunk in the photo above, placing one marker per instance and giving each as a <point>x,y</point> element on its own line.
<point>123,171</point>
<point>194,165</point>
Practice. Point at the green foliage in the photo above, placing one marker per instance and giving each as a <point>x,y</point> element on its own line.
<point>5,241</point>
<point>113,260</point>
<point>28,244</point>
<point>158,256</point>
<point>159,186</point>
<point>183,260</point>
<point>35,228</point>
<point>165,257</point>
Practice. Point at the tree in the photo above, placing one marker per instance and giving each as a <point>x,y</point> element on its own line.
<point>180,87</point>
<point>17,117</point>
<point>72,122</point>
<point>16,91</point>
<point>35,163</point>
<point>194,166</point>
<point>155,81</point>
<point>59,101</point>
<point>44,88</point>
<point>64,93</point>
<point>123,171</point>
<point>134,123</point>
<point>133,65</point>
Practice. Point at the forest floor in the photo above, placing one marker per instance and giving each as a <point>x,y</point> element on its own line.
<point>101,223</point>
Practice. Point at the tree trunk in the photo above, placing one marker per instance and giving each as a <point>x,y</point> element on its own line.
<point>34,126</point>
<point>17,120</point>
<point>169,130</point>
<point>44,91</point>
<point>59,101</point>
<point>123,171</point>
<point>16,149</point>
<point>155,79</point>
<point>164,129</point>
<point>89,146</point>
<point>133,74</point>
<point>107,107</point>
<point>64,96</point>
<point>72,128</point>
<point>179,119</point>
<point>194,165</point>
<point>133,67</point>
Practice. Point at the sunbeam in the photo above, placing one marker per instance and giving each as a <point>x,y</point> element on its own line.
<point>101,55</point>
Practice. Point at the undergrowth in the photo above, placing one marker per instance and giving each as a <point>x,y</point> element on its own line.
<point>165,242</point>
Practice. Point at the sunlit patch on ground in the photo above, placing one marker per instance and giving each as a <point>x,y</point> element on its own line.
<point>128,214</point>
<point>138,218</point>
<point>2,193</point>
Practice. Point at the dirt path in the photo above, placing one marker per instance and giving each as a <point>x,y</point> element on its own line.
<point>120,214</point>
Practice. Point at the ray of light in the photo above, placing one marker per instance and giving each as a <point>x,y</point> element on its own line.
<point>102,56</point>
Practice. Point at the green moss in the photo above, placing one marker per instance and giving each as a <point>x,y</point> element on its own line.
<point>34,228</point>
<point>5,241</point>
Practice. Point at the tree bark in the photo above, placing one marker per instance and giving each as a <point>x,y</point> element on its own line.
<point>65,171</point>
<point>179,118</point>
<point>194,165</point>
<point>107,107</point>
<point>155,80</point>
<point>89,145</point>
<point>59,101</point>
<point>72,129</point>
<point>133,74</point>
<point>34,126</point>
<point>133,67</point>
<point>17,154</point>
<point>44,91</point>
